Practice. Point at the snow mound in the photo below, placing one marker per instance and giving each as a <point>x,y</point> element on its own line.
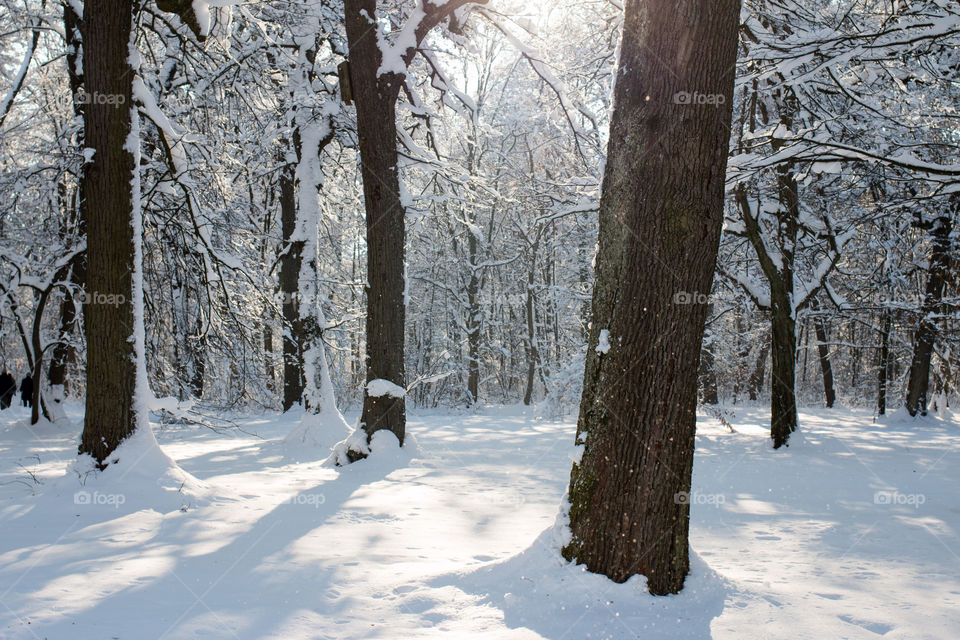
<point>316,435</point>
<point>384,447</point>
<point>139,476</point>
<point>538,589</point>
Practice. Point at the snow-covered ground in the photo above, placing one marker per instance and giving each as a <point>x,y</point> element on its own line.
<point>854,532</point>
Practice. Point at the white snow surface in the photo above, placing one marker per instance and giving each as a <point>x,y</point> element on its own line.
<point>380,387</point>
<point>852,532</point>
<point>603,343</point>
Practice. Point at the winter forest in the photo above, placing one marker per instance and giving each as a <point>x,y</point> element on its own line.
<point>515,319</point>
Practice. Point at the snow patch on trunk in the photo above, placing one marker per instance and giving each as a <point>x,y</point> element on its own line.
<point>379,387</point>
<point>603,346</point>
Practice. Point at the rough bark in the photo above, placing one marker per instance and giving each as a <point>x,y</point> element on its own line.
<point>661,213</point>
<point>111,358</point>
<point>290,263</point>
<point>376,99</point>
<point>939,271</point>
<point>783,401</point>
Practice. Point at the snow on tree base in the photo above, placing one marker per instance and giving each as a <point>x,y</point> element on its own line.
<point>540,590</point>
<point>383,446</point>
<point>315,435</point>
<point>138,475</point>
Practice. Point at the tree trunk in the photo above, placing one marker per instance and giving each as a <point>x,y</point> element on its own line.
<point>64,354</point>
<point>884,364</point>
<point>927,329</point>
<point>823,351</point>
<point>708,375</point>
<point>290,263</point>
<point>708,372</point>
<point>376,96</point>
<point>661,213</point>
<point>755,383</point>
<point>532,351</point>
<point>107,183</point>
<point>473,321</point>
<point>783,401</point>
<point>198,379</point>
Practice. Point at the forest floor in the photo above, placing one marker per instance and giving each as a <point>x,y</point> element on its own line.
<point>853,532</point>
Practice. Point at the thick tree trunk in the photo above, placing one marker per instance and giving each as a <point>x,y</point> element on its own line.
<point>883,367</point>
<point>376,96</point>
<point>290,263</point>
<point>107,183</point>
<point>927,330</point>
<point>661,212</point>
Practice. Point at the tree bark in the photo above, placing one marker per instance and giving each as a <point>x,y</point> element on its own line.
<point>107,183</point>
<point>290,263</point>
<point>823,353</point>
<point>927,329</point>
<point>755,383</point>
<point>661,213</point>
<point>826,369</point>
<point>533,353</point>
<point>473,321</point>
<point>64,354</point>
<point>783,401</point>
<point>376,98</point>
<point>884,364</point>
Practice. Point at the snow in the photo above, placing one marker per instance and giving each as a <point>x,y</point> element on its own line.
<point>201,9</point>
<point>380,387</point>
<point>603,343</point>
<point>852,532</point>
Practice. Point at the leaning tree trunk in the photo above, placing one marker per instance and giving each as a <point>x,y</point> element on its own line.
<point>661,213</point>
<point>376,98</point>
<point>927,330</point>
<point>107,182</point>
